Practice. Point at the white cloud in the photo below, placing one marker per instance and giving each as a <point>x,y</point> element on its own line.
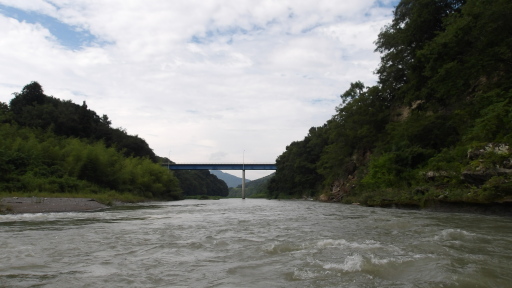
<point>40,6</point>
<point>204,80</point>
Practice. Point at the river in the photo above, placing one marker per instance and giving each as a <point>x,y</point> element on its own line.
<point>254,243</point>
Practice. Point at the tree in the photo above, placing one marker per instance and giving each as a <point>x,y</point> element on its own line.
<point>31,95</point>
<point>444,89</point>
<point>4,112</point>
<point>201,182</point>
<point>415,23</point>
<point>32,108</point>
<point>297,173</point>
<point>473,54</point>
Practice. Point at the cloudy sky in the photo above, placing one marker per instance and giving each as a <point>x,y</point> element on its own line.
<point>199,80</point>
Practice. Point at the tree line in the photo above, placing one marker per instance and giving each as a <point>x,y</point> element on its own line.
<point>436,126</point>
<point>55,146</point>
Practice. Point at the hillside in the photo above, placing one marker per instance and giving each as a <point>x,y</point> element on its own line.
<point>254,189</point>
<point>231,180</point>
<point>57,147</point>
<point>437,126</point>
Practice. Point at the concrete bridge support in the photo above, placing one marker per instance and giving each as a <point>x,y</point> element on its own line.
<point>243,184</point>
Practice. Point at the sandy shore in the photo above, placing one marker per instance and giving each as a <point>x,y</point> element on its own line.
<point>17,205</point>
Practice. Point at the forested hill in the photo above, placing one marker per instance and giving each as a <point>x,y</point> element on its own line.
<point>48,145</point>
<point>436,127</point>
<point>32,108</point>
<point>253,189</point>
<point>231,181</point>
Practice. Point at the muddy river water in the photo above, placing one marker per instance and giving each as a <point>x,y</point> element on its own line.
<point>254,243</point>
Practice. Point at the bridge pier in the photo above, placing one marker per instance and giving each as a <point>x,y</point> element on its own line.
<point>243,184</point>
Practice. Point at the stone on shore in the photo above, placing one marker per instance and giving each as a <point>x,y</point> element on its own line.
<point>18,205</point>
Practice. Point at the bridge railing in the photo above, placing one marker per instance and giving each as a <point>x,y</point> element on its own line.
<point>220,166</point>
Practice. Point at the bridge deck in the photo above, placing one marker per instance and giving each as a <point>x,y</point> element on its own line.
<point>264,166</point>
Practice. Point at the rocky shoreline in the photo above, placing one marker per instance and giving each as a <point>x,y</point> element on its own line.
<point>489,209</point>
<point>19,205</point>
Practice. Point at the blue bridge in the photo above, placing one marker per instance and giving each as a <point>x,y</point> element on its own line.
<point>221,166</point>
<point>242,167</point>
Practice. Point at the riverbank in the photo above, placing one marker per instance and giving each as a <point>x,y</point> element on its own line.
<point>495,209</point>
<point>18,205</point>
<point>498,209</point>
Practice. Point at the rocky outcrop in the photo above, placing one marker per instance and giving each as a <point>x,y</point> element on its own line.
<point>433,176</point>
<point>401,113</point>
<point>482,173</point>
<point>480,176</point>
<point>344,185</point>
<point>339,189</point>
<point>498,148</point>
<point>482,168</point>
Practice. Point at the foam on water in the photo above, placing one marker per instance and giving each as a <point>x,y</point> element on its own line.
<point>279,248</point>
<point>342,243</point>
<point>34,217</point>
<point>350,264</point>
<point>454,235</point>
<point>253,243</point>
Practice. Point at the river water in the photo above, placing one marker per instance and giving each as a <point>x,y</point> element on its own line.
<point>254,243</point>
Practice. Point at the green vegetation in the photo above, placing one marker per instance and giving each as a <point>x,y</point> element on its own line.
<point>436,127</point>
<point>231,180</point>
<point>201,182</point>
<point>32,108</point>
<point>36,161</point>
<point>54,148</point>
<point>253,189</point>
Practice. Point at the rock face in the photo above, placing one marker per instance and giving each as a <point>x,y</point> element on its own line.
<point>479,177</point>
<point>344,185</point>
<point>498,148</point>
<point>436,175</point>
<point>481,174</point>
<point>484,171</point>
<point>339,189</point>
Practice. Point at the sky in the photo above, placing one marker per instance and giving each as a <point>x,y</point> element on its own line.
<point>216,81</point>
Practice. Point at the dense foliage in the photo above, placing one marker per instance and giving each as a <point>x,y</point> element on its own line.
<point>32,108</point>
<point>253,189</point>
<point>436,126</point>
<point>201,182</point>
<point>52,146</point>
<point>34,160</point>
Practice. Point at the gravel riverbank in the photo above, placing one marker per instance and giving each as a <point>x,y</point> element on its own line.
<point>18,205</point>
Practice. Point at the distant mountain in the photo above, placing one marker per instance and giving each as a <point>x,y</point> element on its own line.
<point>231,181</point>
<point>255,189</point>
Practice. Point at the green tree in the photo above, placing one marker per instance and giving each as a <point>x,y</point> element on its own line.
<point>415,23</point>
<point>354,131</point>
<point>473,54</point>
<point>5,113</point>
<point>297,174</point>
<point>200,182</point>
<point>32,94</point>
<point>32,108</point>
